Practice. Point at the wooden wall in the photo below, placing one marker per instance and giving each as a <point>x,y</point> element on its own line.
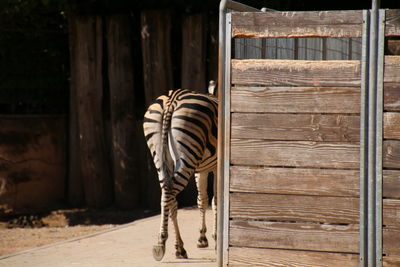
<point>295,149</point>
<point>119,65</point>
<point>391,161</point>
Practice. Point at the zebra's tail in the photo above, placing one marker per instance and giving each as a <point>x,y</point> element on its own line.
<point>167,162</point>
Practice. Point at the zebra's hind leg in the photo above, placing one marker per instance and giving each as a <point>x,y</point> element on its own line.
<point>214,207</point>
<point>180,251</point>
<point>202,204</point>
<point>159,249</point>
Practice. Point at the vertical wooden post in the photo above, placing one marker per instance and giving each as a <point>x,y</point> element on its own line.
<point>156,51</point>
<point>158,79</point>
<point>75,183</point>
<point>87,66</point>
<point>194,53</point>
<point>122,105</point>
<point>213,49</point>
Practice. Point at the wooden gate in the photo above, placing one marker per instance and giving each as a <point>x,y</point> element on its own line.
<point>296,143</point>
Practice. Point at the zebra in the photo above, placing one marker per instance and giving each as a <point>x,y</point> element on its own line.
<point>181,133</point>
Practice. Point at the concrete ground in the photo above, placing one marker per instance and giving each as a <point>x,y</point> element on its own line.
<point>127,245</point>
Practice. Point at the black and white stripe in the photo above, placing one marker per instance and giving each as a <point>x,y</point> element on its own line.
<point>181,133</point>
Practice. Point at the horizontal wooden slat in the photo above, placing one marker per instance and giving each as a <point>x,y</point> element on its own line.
<point>391,96</point>
<point>391,237</point>
<point>391,125</point>
<point>296,72</point>
<point>296,99</point>
<point>391,261</point>
<point>268,207</point>
<point>323,182</point>
<point>298,181</point>
<point>392,69</point>
<point>319,237</point>
<point>297,24</point>
<point>391,154</point>
<point>391,183</point>
<point>391,213</point>
<point>296,127</point>
<point>294,154</point>
<point>392,27</point>
<point>289,258</point>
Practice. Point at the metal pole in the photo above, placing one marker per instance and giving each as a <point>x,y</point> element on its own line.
<point>221,133</point>
<point>372,135</point>
<point>364,143</point>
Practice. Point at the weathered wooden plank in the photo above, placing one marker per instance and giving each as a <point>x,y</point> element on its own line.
<point>294,154</point>
<point>296,127</point>
<point>88,79</point>
<point>297,181</point>
<point>391,212</point>
<point>75,191</point>
<point>289,258</point>
<point>391,183</point>
<point>122,98</point>
<point>392,27</point>
<point>297,24</point>
<point>391,154</point>
<point>391,261</point>
<point>319,237</point>
<point>156,52</point>
<point>391,125</point>
<point>296,72</point>
<point>391,237</point>
<point>302,99</point>
<point>392,69</point>
<point>194,53</point>
<point>391,100</point>
<point>271,207</point>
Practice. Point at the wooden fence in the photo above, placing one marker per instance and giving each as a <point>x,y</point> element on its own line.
<point>292,149</point>
<point>119,65</point>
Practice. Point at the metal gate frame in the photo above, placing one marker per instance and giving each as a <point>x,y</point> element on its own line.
<point>371,137</point>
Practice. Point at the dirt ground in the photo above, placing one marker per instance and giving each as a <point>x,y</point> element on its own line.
<point>29,231</point>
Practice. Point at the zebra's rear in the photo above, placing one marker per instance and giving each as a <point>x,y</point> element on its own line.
<point>181,130</point>
<point>181,133</point>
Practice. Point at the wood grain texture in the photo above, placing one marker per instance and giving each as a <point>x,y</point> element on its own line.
<point>271,207</point>
<point>391,183</point>
<point>392,27</point>
<point>89,89</point>
<point>391,154</point>
<point>302,99</point>
<point>296,127</point>
<point>124,138</point>
<point>289,258</point>
<point>319,237</point>
<point>391,261</point>
<point>156,53</point>
<point>297,24</point>
<point>294,154</point>
<point>391,237</point>
<point>297,181</point>
<point>391,212</point>
<point>391,100</point>
<point>296,72</point>
<point>392,69</point>
<point>194,52</point>
<point>391,125</point>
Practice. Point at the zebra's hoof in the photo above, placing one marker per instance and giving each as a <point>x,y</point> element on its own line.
<point>202,242</point>
<point>158,252</point>
<point>181,254</point>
